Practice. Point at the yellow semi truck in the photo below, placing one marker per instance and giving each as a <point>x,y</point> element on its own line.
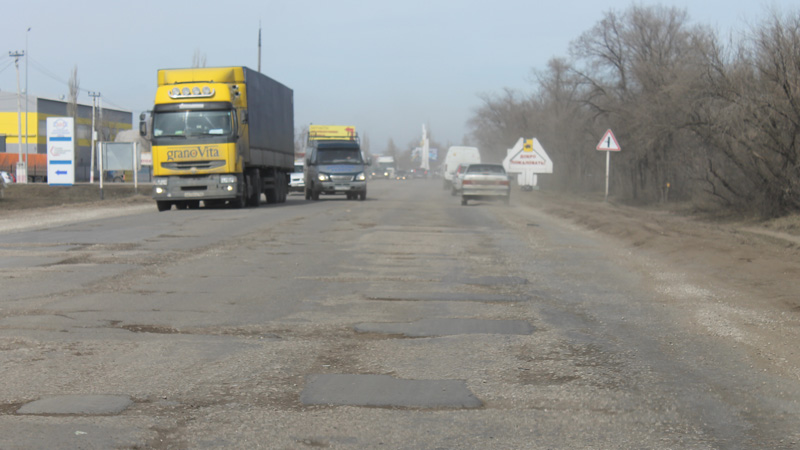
<point>221,135</point>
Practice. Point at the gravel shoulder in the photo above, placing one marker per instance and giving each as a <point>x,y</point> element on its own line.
<point>737,280</point>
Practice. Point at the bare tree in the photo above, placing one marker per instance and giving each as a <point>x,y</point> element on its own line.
<point>500,121</point>
<point>198,59</point>
<point>365,144</point>
<point>300,140</point>
<point>74,89</point>
<point>695,119</point>
<point>755,123</point>
<point>641,70</point>
<point>564,127</point>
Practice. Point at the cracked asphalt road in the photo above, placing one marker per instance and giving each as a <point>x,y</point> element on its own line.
<point>224,328</point>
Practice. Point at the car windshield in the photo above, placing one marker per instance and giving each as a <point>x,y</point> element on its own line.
<point>192,123</point>
<point>486,169</point>
<point>338,156</point>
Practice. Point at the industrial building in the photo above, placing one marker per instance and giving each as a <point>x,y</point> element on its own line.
<point>109,122</point>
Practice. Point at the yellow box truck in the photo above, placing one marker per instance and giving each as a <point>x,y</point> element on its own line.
<point>222,135</point>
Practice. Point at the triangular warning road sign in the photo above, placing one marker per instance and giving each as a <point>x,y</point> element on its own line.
<point>608,143</point>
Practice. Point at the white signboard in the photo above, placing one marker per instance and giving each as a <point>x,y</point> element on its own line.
<point>60,151</point>
<point>118,156</point>
<point>527,159</point>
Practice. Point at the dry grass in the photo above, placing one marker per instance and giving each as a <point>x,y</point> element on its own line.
<point>38,195</point>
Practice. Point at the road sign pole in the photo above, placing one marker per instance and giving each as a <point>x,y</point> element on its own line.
<point>608,165</point>
<point>608,144</point>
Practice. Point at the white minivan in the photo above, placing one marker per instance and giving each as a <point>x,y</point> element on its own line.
<point>458,155</point>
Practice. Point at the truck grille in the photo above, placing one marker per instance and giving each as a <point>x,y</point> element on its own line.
<point>341,178</point>
<point>188,165</point>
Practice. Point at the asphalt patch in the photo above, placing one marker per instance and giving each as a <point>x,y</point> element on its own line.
<point>78,404</point>
<point>487,280</point>
<point>386,392</point>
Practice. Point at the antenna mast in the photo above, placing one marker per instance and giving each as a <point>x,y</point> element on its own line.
<point>259,46</point>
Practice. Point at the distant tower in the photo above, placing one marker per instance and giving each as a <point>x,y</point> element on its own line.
<point>425,149</point>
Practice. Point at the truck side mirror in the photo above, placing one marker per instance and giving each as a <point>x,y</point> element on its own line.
<point>143,128</point>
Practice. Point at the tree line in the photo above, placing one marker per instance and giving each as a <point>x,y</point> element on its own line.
<point>699,118</point>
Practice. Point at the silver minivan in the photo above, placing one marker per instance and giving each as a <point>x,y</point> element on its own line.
<point>336,167</point>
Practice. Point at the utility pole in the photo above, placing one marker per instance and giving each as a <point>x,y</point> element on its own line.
<point>259,46</point>
<point>27,56</point>
<point>22,173</point>
<point>95,96</point>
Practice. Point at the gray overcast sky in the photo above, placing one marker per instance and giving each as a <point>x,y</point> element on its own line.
<point>385,67</point>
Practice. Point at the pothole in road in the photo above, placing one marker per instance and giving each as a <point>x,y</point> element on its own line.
<point>150,329</point>
<point>448,296</point>
<point>448,327</point>
<point>384,391</point>
<point>156,329</point>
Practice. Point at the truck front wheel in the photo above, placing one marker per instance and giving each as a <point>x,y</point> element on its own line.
<point>254,188</point>
<point>241,198</point>
<point>163,206</point>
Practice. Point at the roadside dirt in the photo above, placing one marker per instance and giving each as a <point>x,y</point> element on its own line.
<point>737,279</point>
<point>35,205</point>
<point>38,195</point>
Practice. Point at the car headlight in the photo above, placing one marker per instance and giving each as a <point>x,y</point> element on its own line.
<point>323,177</point>
<point>361,177</point>
<point>227,179</point>
<point>160,181</point>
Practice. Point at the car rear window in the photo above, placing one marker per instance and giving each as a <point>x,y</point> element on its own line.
<point>485,168</point>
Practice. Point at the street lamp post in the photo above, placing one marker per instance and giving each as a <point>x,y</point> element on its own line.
<point>94,96</point>
<point>22,174</point>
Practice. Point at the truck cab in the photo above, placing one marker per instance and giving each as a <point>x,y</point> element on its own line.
<point>220,135</point>
<point>336,167</point>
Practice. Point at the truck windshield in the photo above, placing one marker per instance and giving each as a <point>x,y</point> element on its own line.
<point>192,123</point>
<point>338,156</point>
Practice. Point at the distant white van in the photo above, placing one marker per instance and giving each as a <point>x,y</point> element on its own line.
<point>458,155</point>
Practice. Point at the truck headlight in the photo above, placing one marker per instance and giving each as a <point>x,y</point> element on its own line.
<point>160,181</point>
<point>227,179</point>
<point>324,177</point>
<point>361,177</point>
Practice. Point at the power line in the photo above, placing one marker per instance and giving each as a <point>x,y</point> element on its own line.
<point>9,64</point>
<point>43,70</point>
